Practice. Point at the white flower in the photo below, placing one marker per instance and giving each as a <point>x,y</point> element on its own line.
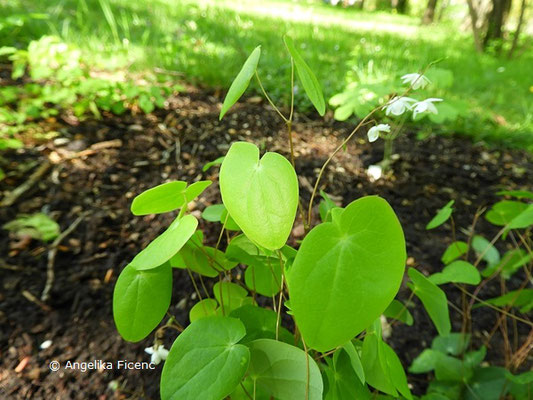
<point>158,353</point>
<point>373,133</point>
<point>398,105</point>
<point>374,172</point>
<point>416,80</point>
<point>425,105</point>
<point>46,344</point>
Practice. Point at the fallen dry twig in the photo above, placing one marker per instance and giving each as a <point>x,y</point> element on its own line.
<point>12,196</point>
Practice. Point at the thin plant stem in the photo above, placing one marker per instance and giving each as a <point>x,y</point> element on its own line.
<point>268,98</point>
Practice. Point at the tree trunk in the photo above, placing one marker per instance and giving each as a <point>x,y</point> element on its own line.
<point>496,21</point>
<point>475,29</point>
<point>518,29</point>
<point>401,6</point>
<point>429,14</point>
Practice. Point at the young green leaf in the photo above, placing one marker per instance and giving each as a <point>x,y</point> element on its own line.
<point>260,194</point>
<point>241,82</point>
<point>398,311</point>
<point>166,245</point>
<point>425,362</point>
<point>485,250</point>
<point>282,370</point>
<point>229,295</point>
<point>260,323</point>
<point>307,78</point>
<point>509,264</point>
<point>204,308</point>
<point>213,213</point>
<point>504,211</point>
<point>517,298</point>
<point>519,194</point>
<point>342,381</point>
<point>458,272</point>
<point>140,300</point>
<point>210,164</point>
<point>328,282</point>
<point>434,300</point>
<point>454,251</point>
<point>454,343</point>
<point>264,276</point>
<point>205,361</point>
<point>355,360</point>
<point>167,197</point>
<point>442,216</point>
<point>522,220</point>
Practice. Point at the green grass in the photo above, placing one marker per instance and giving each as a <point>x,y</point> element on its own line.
<point>208,41</point>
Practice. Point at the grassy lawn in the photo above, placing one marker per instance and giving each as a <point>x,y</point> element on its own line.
<point>207,41</point>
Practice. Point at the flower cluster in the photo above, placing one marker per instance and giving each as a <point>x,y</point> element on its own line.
<point>158,353</point>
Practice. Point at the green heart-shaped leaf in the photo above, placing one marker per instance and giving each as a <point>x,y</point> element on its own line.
<point>163,247</point>
<point>283,371</point>
<point>346,273</point>
<point>140,300</point>
<point>260,195</point>
<point>241,81</point>
<point>205,361</point>
<point>459,272</point>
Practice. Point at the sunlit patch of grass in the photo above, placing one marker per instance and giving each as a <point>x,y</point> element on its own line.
<point>208,40</point>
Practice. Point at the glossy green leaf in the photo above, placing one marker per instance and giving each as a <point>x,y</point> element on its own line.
<point>454,343</point>
<point>347,273</point>
<point>204,308</point>
<point>396,372</point>
<point>425,362</point>
<point>213,213</point>
<point>355,360</point>
<point>398,311</point>
<point>196,189</point>
<point>307,78</point>
<point>442,216</point>
<point>281,370</point>
<point>504,211</point>
<point>454,251</point>
<point>519,194</point>
<point>260,323</point>
<point>511,262</point>
<point>260,194</point>
<point>434,300</point>
<point>229,295</point>
<point>342,381</point>
<point>140,300</point>
<point>375,364</point>
<point>166,245</point>
<point>522,220</point>
<point>241,81</point>
<point>458,272</point>
<point>210,164</point>
<point>205,361</point>
<point>263,276</point>
<point>517,298</point>
<point>485,250</point>
<point>160,199</point>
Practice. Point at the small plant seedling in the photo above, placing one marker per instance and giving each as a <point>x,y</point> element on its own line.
<point>337,286</point>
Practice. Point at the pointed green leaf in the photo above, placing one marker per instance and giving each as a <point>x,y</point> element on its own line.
<point>355,360</point>
<point>434,300</point>
<point>346,273</point>
<point>281,370</point>
<point>205,361</point>
<point>522,220</point>
<point>166,245</point>
<point>374,363</point>
<point>194,190</point>
<point>140,300</point>
<point>260,323</point>
<point>241,82</point>
<point>210,164</point>
<point>454,343</point>
<point>517,298</point>
<point>458,272</point>
<point>425,362</point>
<point>519,194</point>
<point>307,78</point>
<point>260,195</point>
<point>442,216</point>
<point>398,311</point>
<point>343,383</point>
<point>454,251</point>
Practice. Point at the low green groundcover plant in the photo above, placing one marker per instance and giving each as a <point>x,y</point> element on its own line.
<point>338,286</point>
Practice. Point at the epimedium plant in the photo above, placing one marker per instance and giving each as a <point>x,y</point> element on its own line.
<point>333,292</point>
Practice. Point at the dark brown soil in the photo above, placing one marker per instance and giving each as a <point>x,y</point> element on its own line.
<point>175,144</point>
